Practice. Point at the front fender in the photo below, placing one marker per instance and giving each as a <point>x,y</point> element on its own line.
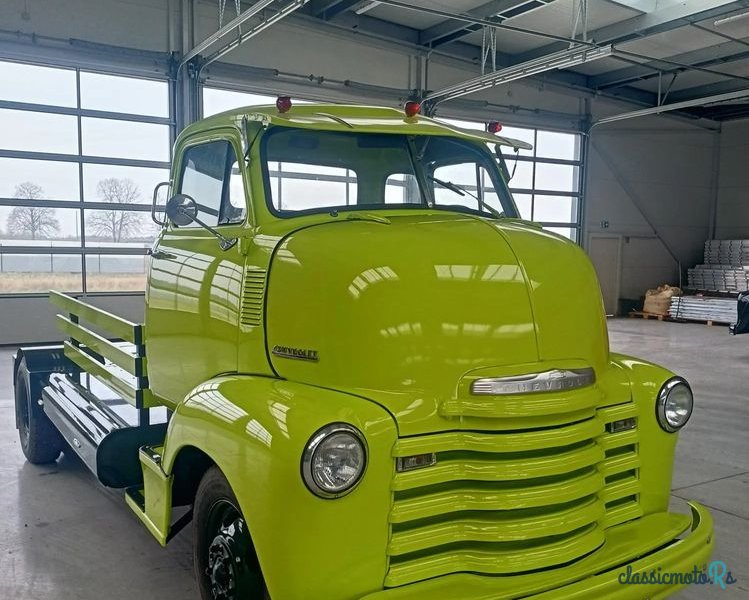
<point>656,446</point>
<point>255,430</point>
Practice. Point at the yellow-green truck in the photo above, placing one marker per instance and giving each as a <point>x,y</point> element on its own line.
<point>362,376</point>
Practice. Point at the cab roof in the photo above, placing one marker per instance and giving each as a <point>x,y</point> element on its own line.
<point>339,117</point>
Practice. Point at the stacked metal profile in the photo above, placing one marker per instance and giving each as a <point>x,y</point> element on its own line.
<point>726,267</point>
<point>703,308</point>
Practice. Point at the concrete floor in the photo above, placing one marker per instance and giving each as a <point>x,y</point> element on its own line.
<point>64,537</point>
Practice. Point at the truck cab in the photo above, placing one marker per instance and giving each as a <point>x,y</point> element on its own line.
<point>373,380</point>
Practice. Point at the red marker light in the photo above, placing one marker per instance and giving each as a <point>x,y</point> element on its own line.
<point>412,108</point>
<point>494,127</point>
<point>283,104</point>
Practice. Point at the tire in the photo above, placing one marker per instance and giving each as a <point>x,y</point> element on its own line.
<point>40,441</point>
<point>226,566</point>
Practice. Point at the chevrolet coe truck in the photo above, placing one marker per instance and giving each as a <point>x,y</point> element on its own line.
<point>361,376</point>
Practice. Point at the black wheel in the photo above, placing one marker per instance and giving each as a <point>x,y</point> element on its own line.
<point>40,441</point>
<point>226,566</point>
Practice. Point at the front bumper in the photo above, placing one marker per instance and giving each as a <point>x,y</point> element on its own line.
<point>647,544</point>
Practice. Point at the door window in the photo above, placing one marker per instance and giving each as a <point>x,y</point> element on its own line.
<point>211,176</point>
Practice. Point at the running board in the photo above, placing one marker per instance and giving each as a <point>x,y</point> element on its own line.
<point>101,429</point>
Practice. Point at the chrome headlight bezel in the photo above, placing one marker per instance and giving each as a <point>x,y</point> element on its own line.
<point>313,445</point>
<point>661,405</point>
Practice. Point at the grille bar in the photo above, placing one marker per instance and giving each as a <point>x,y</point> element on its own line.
<point>496,468</point>
<point>495,526</point>
<point>495,559</point>
<point>508,442</point>
<point>489,497</point>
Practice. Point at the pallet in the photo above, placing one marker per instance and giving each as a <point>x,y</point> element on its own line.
<point>708,322</point>
<point>645,315</point>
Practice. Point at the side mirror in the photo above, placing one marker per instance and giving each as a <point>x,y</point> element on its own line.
<point>181,210</point>
<point>155,203</point>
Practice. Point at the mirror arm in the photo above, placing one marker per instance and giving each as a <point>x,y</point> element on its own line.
<point>224,243</point>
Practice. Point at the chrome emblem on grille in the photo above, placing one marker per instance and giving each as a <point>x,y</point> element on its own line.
<point>297,353</point>
<point>549,381</point>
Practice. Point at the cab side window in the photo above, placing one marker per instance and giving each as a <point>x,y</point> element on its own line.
<point>211,176</point>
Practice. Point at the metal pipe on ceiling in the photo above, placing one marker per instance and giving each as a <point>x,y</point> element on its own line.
<point>485,22</point>
<point>559,60</point>
<point>235,23</point>
<point>674,106</point>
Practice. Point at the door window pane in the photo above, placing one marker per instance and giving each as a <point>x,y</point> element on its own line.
<point>523,202</point>
<point>568,232</point>
<point>237,207</point>
<point>38,179</point>
<point>216,101</point>
<point>554,144</point>
<point>206,172</point>
<point>124,94</point>
<point>555,209</point>
<point>27,273</point>
<point>113,226</point>
<point>112,273</point>
<point>39,226</point>
<point>38,132</point>
<point>556,178</point>
<point>517,133</point>
<point>125,139</point>
<point>37,85</point>
<point>521,174</point>
<point>142,179</point>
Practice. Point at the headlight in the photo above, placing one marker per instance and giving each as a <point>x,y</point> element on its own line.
<point>674,405</point>
<point>334,460</point>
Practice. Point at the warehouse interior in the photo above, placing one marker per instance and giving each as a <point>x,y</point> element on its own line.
<point>638,112</point>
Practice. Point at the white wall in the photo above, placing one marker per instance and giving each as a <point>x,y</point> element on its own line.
<point>31,320</point>
<point>651,184</point>
<point>732,221</point>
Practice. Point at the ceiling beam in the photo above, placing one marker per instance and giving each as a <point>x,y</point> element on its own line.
<point>452,29</point>
<point>332,8</point>
<point>720,54</point>
<point>648,24</point>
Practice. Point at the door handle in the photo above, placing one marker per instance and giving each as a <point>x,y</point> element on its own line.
<point>160,254</point>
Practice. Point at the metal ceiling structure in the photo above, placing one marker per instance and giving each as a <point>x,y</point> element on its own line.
<point>664,51</point>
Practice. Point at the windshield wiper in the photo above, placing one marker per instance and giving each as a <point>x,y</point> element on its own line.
<point>462,192</point>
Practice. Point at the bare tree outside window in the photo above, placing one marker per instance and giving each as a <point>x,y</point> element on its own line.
<point>31,221</point>
<point>116,225</point>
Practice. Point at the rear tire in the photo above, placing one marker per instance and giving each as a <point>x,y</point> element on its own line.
<point>40,441</point>
<point>226,566</point>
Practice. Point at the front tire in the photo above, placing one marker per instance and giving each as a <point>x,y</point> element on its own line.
<point>40,441</point>
<point>226,566</point>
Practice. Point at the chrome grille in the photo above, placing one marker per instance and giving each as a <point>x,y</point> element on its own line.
<point>253,292</point>
<point>503,502</point>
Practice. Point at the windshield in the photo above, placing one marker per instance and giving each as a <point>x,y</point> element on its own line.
<point>320,171</point>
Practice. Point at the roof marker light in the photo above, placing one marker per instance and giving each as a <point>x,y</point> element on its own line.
<point>494,127</point>
<point>412,108</point>
<point>283,104</point>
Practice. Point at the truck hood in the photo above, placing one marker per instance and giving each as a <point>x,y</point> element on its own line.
<point>408,310</point>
